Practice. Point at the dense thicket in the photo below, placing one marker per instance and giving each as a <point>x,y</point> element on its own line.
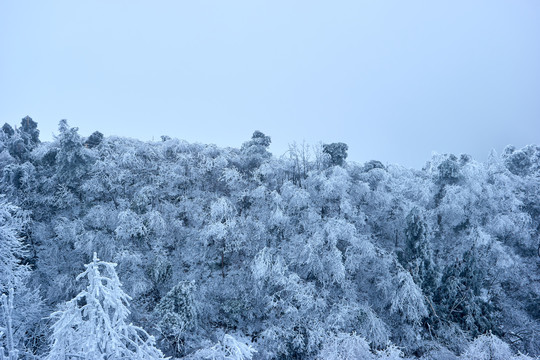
<point>234,253</point>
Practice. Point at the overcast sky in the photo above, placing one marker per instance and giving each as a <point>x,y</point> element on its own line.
<point>395,80</point>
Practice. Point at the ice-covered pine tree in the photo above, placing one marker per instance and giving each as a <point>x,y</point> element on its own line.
<point>12,274</point>
<point>417,255</point>
<point>93,325</point>
<point>19,306</point>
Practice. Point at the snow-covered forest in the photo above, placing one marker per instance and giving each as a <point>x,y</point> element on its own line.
<point>114,248</point>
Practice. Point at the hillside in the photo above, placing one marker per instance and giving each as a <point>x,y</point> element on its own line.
<point>234,251</point>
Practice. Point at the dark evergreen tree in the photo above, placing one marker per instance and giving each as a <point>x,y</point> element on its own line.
<point>460,297</point>
<point>94,140</point>
<point>8,130</point>
<point>337,153</point>
<point>73,159</point>
<point>417,254</point>
<point>177,316</point>
<point>29,131</point>
<point>20,142</point>
<point>255,151</point>
<point>448,170</point>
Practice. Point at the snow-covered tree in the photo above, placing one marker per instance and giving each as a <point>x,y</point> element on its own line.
<point>177,315</point>
<point>461,297</point>
<point>19,306</point>
<point>417,255</point>
<point>337,152</point>
<point>94,325</point>
<point>73,159</point>
<point>255,151</point>
<point>12,272</point>
<point>345,346</point>
<point>490,347</point>
<point>408,301</point>
<point>228,348</point>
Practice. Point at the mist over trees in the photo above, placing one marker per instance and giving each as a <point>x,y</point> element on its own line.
<point>114,248</point>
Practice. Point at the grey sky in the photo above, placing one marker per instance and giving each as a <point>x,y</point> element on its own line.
<point>395,80</point>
